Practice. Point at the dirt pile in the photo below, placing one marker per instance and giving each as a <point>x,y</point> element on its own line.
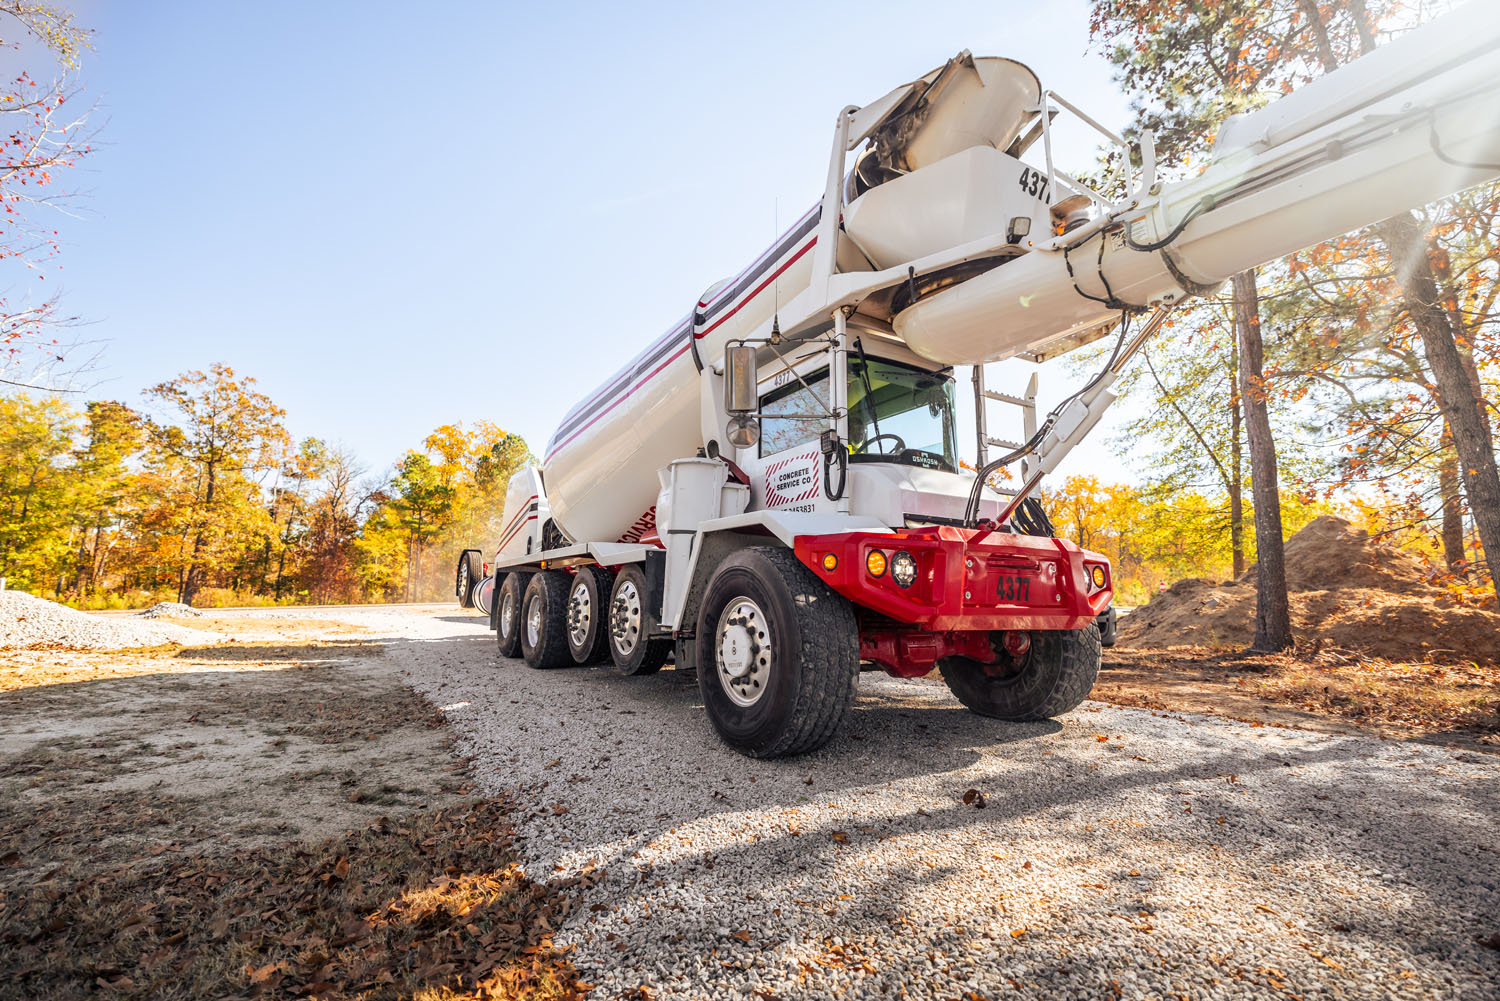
<point>1346,591</point>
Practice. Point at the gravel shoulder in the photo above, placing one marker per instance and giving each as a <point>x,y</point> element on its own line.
<point>1119,853</point>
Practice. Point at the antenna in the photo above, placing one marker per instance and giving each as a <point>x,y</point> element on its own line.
<point>775,285</point>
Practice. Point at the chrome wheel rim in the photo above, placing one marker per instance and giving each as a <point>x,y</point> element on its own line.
<point>463,581</point>
<point>625,618</point>
<point>534,621</point>
<point>742,652</point>
<point>507,613</point>
<point>580,613</point>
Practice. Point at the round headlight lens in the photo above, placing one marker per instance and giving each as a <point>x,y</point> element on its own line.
<point>875,563</point>
<point>1098,574</point>
<point>904,568</point>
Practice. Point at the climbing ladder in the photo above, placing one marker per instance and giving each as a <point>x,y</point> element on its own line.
<point>1027,404</point>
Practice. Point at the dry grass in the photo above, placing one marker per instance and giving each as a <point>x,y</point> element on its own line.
<point>1331,690</point>
<point>1432,696</point>
<point>20,669</point>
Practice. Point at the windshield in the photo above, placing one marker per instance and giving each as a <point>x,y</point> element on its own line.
<point>897,413</point>
<point>900,412</point>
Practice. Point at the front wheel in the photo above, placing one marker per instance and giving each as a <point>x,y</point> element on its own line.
<point>778,654</point>
<point>1051,677</point>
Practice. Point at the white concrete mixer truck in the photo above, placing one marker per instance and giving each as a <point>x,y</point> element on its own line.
<point>770,491</point>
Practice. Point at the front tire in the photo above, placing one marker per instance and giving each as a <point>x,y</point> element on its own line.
<point>508,615</point>
<point>1051,678</point>
<point>588,625</point>
<point>470,573</point>
<point>778,654</point>
<point>631,622</point>
<point>544,620</point>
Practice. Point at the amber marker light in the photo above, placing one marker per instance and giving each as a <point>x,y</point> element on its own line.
<point>830,562</point>
<point>875,563</point>
<point>1098,574</point>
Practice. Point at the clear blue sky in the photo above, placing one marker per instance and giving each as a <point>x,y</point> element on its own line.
<point>394,216</point>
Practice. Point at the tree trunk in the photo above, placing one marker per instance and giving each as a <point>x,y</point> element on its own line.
<point>1456,398</point>
<point>1453,506</point>
<point>194,578</point>
<point>1273,616</point>
<point>1236,467</point>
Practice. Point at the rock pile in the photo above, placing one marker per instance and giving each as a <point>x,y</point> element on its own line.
<point>31,623</point>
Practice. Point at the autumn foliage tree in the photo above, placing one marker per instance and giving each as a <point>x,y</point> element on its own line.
<point>227,433</point>
<point>41,136</point>
<point>1394,296</point>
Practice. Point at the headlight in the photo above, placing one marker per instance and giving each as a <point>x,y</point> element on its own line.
<point>904,568</point>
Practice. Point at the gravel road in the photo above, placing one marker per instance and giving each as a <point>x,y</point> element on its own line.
<point>1119,853</point>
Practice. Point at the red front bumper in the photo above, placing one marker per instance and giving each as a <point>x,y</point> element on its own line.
<point>967,579</point>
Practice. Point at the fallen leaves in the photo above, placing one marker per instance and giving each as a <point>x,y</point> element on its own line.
<point>440,906</point>
<point>974,798</point>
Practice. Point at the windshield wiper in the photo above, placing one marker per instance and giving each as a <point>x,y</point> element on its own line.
<point>864,375</point>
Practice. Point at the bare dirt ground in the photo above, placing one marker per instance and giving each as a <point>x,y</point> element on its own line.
<point>279,815</point>
<point>176,793</point>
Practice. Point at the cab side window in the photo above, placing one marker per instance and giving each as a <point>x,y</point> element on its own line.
<point>799,403</point>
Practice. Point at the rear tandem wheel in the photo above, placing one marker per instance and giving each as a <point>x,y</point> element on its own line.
<point>631,623</point>
<point>588,626</point>
<point>544,620</point>
<point>510,594</point>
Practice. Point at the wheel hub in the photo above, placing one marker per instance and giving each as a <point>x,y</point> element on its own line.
<point>507,613</point>
<point>625,617</point>
<point>580,614</point>
<point>742,652</point>
<point>534,622</point>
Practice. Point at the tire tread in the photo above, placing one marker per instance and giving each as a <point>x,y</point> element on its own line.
<point>829,655</point>
<point>552,650</point>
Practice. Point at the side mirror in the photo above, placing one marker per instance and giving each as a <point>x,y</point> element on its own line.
<point>741,379</point>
